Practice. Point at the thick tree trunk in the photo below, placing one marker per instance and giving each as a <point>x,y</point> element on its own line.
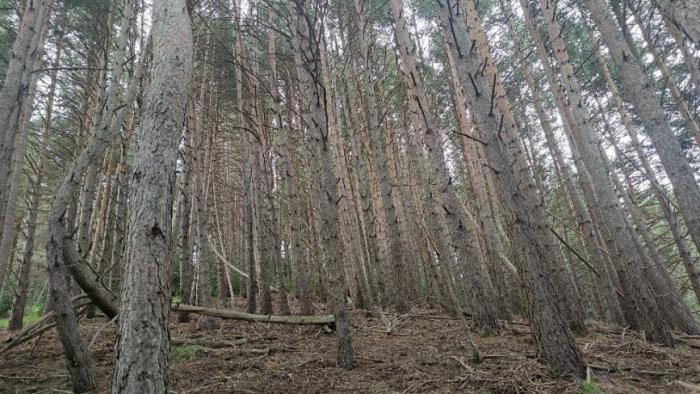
<point>638,304</point>
<point>142,347</point>
<point>533,243</point>
<point>460,234</point>
<point>684,14</point>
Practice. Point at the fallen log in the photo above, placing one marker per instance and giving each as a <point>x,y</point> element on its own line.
<point>207,343</point>
<point>235,315</point>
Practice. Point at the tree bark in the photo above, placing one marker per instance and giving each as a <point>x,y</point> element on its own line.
<point>20,300</point>
<point>142,347</point>
<point>315,110</point>
<point>636,89</point>
<point>529,232</point>
<point>16,104</point>
<point>459,231</point>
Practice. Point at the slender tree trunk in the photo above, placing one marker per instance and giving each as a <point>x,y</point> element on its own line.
<point>612,308</point>
<point>185,207</point>
<point>640,309</point>
<point>16,105</point>
<point>635,89</point>
<point>20,301</point>
<point>296,254</point>
<point>276,118</point>
<point>678,98</point>
<point>315,107</point>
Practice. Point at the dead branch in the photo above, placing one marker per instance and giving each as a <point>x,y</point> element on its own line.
<point>235,315</point>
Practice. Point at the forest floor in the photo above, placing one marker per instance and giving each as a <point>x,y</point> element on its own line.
<point>425,353</point>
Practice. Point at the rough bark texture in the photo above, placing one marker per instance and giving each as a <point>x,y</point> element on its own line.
<point>459,232</point>
<point>636,90</point>
<point>685,14</point>
<point>315,116</point>
<point>142,347</point>
<point>185,209</point>
<point>16,104</point>
<point>638,304</point>
<point>533,244</point>
<point>391,248</point>
<point>20,300</point>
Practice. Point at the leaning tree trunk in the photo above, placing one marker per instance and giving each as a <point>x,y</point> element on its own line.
<point>533,244</point>
<point>461,235</point>
<point>685,15</point>
<point>639,306</point>
<point>636,89</point>
<point>61,254</point>
<point>142,347</point>
<point>16,104</point>
<point>20,300</point>
<point>612,308</point>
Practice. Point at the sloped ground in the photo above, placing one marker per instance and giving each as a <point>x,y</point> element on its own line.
<point>425,353</point>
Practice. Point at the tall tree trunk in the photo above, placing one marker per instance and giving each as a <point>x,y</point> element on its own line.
<point>60,246</point>
<point>16,105</point>
<point>185,206</point>
<point>533,244</point>
<point>612,308</point>
<point>276,118</point>
<point>685,14</point>
<point>636,89</point>
<point>296,253</point>
<point>20,301</point>
<point>315,109</point>
<point>460,234</point>
<point>393,251</point>
<point>678,98</point>
<point>142,347</point>
<point>639,306</point>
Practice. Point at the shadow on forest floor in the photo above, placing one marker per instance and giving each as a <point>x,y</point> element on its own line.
<point>425,353</point>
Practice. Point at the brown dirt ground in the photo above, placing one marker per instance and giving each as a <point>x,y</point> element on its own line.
<point>426,353</point>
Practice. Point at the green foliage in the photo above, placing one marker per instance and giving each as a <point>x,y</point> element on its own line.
<point>32,315</point>
<point>589,387</point>
<point>180,353</point>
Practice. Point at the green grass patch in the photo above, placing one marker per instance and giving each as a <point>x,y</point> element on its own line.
<point>31,315</point>
<point>589,388</point>
<point>180,353</point>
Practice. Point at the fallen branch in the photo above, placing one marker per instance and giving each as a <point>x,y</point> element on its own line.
<point>43,324</point>
<point>207,343</point>
<point>235,315</point>
<point>231,266</point>
<point>693,388</point>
